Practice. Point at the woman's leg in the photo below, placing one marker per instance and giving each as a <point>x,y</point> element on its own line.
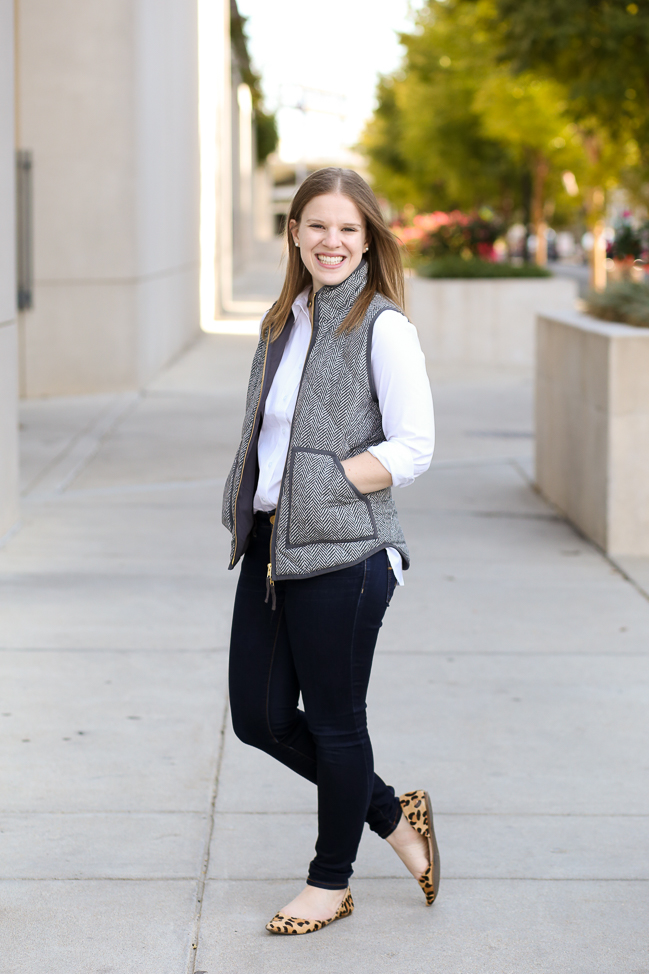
<point>264,685</point>
<point>264,690</point>
<point>332,623</point>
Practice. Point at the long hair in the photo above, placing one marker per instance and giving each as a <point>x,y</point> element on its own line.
<point>385,270</point>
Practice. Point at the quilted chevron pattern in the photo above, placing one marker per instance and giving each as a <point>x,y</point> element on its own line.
<point>322,522</point>
<point>236,471</point>
<point>330,508</point>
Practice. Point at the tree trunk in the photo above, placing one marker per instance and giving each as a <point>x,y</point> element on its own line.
<point>598,258</point>
<point>540,171</point>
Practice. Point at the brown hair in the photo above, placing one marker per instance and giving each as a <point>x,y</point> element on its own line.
<point>385,270</point>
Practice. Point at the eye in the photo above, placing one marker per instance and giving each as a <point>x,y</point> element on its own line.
<point>316,226</point>
<point>350,229</point>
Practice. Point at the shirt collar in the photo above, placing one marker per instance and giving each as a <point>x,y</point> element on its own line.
<point>300,303</point>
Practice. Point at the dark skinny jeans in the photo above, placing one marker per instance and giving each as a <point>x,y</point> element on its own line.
<point>319,641</point>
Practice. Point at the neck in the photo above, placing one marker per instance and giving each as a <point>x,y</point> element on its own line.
<point>358,272</point>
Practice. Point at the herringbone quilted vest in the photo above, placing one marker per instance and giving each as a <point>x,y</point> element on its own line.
<point>322,522</point>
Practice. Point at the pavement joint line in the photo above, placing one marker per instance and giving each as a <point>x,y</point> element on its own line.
<point>446,879</point>
<point>120,489</point>
<point>109,649</point>
<point>293,879</point>
<point>439,814</point>
<point>520,469</point>
<point>81,448</point>
<point>540,653</point>
<point>514,652</point>
<point>514,515</point>
<point>102,811</point>
<point>625,575</point>
<point>509,515</point>
<point>584,537</point>
<point>14,529</point>
<point>476,462</point>
<point>197,812</point>
<point>200,885</point>
<point>224,394</point>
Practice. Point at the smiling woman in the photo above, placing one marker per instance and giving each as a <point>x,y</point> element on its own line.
<point>338,411</point>
<point>331,236</point>
<point>334,214</point>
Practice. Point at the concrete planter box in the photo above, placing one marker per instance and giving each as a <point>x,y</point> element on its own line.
<point>483,322</point>
<point>592,427</point>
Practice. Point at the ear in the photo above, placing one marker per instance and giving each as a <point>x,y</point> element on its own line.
<point>293,225</point>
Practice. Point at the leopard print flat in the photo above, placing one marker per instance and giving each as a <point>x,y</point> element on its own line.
<point>418,811</point>
<point>284,924</point>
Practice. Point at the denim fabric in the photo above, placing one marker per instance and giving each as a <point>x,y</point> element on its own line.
<point>319,641</point>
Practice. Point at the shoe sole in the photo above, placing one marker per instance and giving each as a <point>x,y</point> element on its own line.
<point>433,850</point>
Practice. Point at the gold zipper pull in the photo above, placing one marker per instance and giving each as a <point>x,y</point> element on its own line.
<point>270,587</point>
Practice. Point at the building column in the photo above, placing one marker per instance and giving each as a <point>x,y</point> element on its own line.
<point>8,337</point>
<point>108,106</point>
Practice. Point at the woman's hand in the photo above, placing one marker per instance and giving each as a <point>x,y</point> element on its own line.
<point>367,473</point>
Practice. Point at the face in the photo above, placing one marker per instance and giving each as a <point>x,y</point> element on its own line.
<point>332,238</point>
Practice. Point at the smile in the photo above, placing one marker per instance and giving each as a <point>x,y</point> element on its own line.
<point>330,261</point>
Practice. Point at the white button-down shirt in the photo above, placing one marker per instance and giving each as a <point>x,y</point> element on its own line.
<point>405,401</point>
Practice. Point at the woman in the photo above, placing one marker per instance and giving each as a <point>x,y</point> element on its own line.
<point>338,410</point>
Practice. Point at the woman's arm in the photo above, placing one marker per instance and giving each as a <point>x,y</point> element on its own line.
<point>403,390</point>
<point>367,473</point>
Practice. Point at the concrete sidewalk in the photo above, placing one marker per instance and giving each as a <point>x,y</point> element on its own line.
<point>510,680</point>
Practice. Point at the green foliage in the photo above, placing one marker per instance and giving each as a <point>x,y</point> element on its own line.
<point>265,123</point>
<point>267,135</point>
<point>628,240</point>
<point>599,49</point>
<point>626,302</point>
<point>454,266</point>
<point>426,144</point>
<point>455,129</point>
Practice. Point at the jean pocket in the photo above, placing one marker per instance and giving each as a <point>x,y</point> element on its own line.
<point>324,506</point>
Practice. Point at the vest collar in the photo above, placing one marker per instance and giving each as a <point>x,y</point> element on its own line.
<point>335,301</point>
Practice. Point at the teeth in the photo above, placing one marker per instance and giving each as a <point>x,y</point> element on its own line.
<point>330,260</point>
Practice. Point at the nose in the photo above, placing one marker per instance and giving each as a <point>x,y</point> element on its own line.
<point>332,238</point>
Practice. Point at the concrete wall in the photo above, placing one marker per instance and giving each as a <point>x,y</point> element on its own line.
<point>8,338</point>
<point>592,427</point>
<point>482,322</point>
<point>108,105</point>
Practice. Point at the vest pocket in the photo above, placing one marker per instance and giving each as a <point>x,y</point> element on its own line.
<point>323,505</point>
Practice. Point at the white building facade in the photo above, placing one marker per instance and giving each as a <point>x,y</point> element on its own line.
<point>8,323</point>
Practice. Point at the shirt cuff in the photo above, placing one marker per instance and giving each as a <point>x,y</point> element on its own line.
<point>397,460</point>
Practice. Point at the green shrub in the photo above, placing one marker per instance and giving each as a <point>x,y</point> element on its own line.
<point>454,266</point>
<point>625,301</point>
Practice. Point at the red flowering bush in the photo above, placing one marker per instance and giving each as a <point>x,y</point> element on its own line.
<point>434,235</point>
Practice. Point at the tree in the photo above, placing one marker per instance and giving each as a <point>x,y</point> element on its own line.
<point>426,145</point>
<point>528,115</point>
<point>600,50</point>
<point>455,128</point>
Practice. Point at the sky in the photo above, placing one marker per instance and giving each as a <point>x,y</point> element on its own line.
<point>338,49</point>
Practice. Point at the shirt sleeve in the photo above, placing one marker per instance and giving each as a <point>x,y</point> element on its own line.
<point>405,400</point>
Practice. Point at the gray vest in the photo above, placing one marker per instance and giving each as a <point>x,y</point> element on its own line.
<point>322,522</point>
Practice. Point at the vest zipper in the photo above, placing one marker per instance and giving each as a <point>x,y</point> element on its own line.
<point>270,583</point>
<point>245,456</point>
